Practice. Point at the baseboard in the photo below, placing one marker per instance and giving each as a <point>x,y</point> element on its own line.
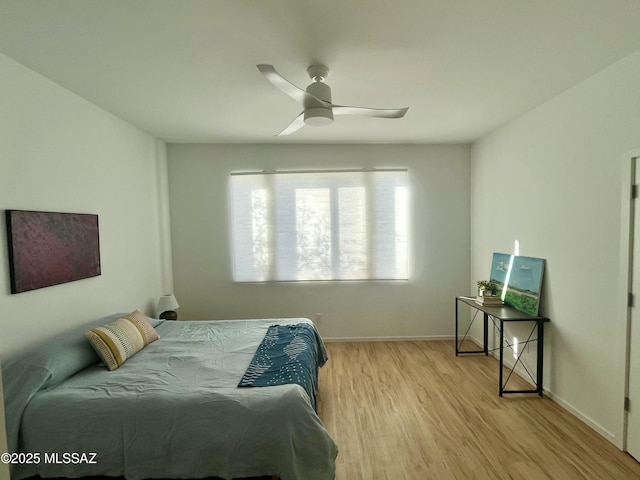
<point>410,338</point>
<point>586,420</point>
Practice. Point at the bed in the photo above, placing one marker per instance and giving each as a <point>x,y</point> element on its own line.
<point>173,410</point>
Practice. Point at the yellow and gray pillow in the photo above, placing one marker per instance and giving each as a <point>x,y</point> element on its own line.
<point>122,339</point>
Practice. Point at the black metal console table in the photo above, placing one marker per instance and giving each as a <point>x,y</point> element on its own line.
<point>503,314</point>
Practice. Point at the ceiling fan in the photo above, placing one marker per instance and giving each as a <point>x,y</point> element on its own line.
<point>316,100</point>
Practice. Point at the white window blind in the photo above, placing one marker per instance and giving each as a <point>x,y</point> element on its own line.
<point>320,225</point>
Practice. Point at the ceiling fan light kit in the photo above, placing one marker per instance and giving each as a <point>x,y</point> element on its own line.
<point>318,117</point>
<point>318,110</point>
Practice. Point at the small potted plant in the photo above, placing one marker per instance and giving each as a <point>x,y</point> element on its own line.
<point>487,288</point>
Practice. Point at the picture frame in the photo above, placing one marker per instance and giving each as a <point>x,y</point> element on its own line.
<point>519,280</point>
<point>51,248</point>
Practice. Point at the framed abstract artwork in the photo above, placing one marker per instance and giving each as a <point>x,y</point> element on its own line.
<point>519,280</point>
<point>50,248</point>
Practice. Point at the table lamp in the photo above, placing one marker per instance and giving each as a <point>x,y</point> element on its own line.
<point>167,305</point>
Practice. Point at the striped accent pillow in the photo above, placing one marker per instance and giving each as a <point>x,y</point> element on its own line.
<point>120,340</point>
<point>141,321</point>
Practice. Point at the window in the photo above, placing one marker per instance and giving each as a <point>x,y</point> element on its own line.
<point>327,225</point>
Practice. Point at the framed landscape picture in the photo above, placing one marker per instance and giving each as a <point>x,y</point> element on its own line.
<point>519,280</point>
<point>49,248</point>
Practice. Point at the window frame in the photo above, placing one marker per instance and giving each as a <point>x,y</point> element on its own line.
<point>274,273</point>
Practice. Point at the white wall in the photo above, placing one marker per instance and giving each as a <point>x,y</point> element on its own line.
<point>420,307</point>
<point>59,152</point>
<point>552,179</point>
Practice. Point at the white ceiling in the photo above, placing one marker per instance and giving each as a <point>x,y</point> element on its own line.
<point>185,71</point>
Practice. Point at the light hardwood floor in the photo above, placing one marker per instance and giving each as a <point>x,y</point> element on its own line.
<point>413,410</point>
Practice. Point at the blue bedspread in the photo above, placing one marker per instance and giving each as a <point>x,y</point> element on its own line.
<point>174,410</point>
<point>287,354</point>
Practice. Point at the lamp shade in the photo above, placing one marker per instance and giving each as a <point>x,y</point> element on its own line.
<point>167,302</point>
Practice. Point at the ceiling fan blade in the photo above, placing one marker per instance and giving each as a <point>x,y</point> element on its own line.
<point>282,83</point>
<point>295,125</point>
<point>370,112</point>
<point>287,87</point>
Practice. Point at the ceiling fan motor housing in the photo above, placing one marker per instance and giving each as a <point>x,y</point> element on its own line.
<point>315,113</point>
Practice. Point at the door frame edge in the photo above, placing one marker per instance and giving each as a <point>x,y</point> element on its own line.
<point>628,172</point>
